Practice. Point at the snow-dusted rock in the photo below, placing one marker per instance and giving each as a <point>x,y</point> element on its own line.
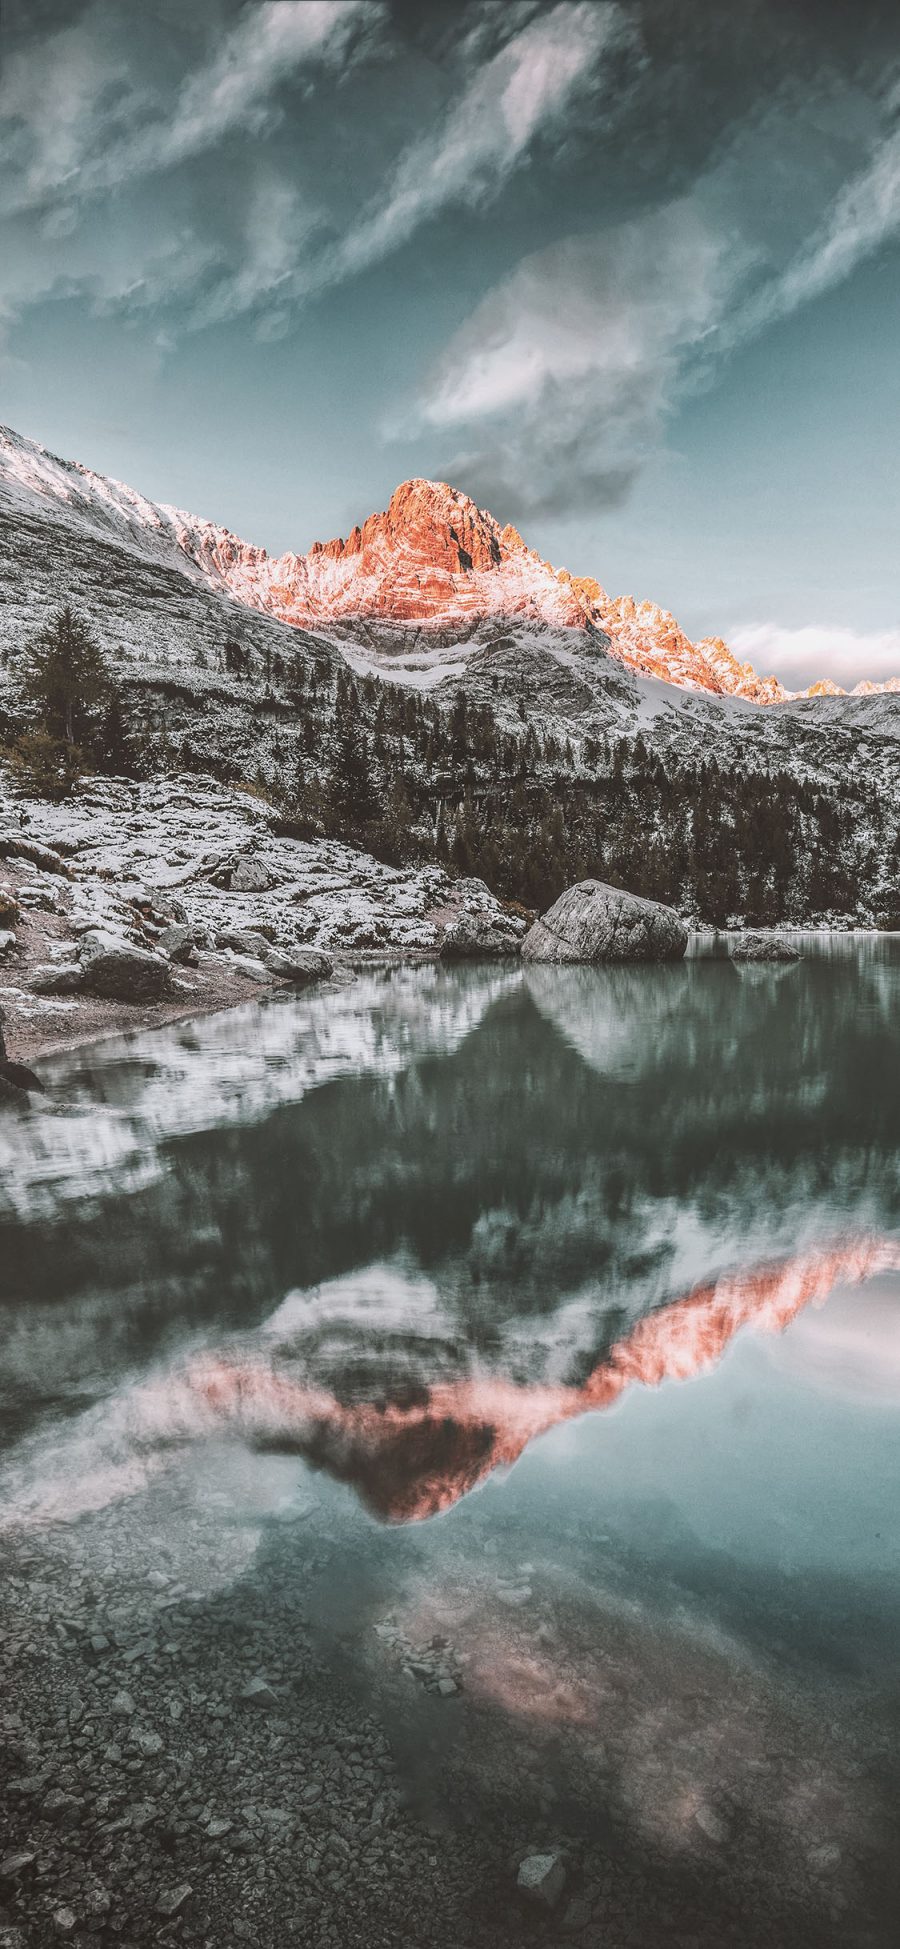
<point>244,940</point>
<point>113,968</point>
<point>765,947</point>
<point>300,965</point>
<point>595,922</point>
<point>56,978</point>
<point>177,941</point>
<point>248,965</point>
<point>469,936</point>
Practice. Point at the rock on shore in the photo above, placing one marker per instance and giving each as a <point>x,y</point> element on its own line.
<point>130,902</point>
<point>595,922</point>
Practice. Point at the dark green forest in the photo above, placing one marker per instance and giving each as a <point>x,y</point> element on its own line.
<point>416,778</point>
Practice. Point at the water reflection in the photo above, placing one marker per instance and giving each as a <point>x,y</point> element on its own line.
<point>494,1198</point>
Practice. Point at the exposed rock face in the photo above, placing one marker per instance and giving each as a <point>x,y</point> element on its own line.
<point>765,947</point>
<point>471,936</point>
<point>122,973</point>
<point>595,922</point>
<point>431,565</point>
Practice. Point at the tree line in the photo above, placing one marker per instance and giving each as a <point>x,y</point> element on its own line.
<point>418,778</point>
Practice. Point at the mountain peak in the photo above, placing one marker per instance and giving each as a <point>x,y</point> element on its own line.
<point>431,571</point>
<point>433,522</point>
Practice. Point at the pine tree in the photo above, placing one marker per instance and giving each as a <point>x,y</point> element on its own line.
<point>65,678</point>
<point>354,800</point>
<point>112,743</point>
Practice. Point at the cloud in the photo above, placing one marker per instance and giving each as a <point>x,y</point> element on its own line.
<point>60,98</point>
<point>864,215</point>
<point>278,223</point>
<point>560,382</point>
<point>77,119</point>
<point>531,87</point>
<point>235,89</point>
<point>802,656</point>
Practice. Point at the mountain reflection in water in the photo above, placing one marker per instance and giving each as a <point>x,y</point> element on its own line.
<point>494,1198</point>
<point>409,1459</point>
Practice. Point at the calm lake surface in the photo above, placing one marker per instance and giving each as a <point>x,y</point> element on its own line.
<point>515,1353</point>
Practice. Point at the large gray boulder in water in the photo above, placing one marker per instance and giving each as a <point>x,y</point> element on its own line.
<point>594,922</point>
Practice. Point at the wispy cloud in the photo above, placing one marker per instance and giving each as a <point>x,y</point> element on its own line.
<point>802,656</point>
<point>278,223</point>
<point>62,97</point>
<point>528,89</point>
<point>862,217</point>
<point>270,43</point>
<point>76,119</point>
<point>557,389</point>
<point>558,385</point>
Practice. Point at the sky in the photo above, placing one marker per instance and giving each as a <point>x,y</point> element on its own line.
<point>627,271</point>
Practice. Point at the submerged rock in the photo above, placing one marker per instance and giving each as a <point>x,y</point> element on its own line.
<point>765,947</point>
<point>541,1879</point>
<point>595,922</point>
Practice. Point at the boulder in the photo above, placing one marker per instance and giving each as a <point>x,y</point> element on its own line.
<point>56,978</point>
<point>119,972</point>
<point>9,908</point>
<point>10,1097</point>
<point>300,965</point>
<point>244,940</point>
<point>15,1079</point>
<point>595,922</point>
<point>541,1879</point>
<point>177,941</point>
<point>14,846</point>
<point>243,875</point>
<point>248,965</point>
<point>250,876</point>
<point>468,936</point>
<point>765,947</point>
<point>162,909</point>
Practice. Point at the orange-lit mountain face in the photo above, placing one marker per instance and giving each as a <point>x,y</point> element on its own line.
<point>411,594</point>
<point>413,1457</point>
<point>436,562</point>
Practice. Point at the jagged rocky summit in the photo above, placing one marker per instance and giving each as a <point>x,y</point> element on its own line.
<point>432,571</point>
<point>594,922</point>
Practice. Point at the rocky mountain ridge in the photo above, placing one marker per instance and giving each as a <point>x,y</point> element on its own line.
<point>431,573</point>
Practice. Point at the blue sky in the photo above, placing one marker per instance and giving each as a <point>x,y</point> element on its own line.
<point>626,270</point>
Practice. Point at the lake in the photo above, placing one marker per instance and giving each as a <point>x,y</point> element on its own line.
<point>451,1417</point>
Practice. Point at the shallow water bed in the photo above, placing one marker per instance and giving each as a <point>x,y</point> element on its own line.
<point>452,1417</point>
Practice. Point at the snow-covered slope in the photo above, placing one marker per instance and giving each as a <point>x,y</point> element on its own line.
<point>413,593</point>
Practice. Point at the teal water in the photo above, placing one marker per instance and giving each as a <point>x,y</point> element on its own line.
<point>552,1312</point>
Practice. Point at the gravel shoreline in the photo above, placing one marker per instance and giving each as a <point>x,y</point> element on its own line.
<point>215,1733</point>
